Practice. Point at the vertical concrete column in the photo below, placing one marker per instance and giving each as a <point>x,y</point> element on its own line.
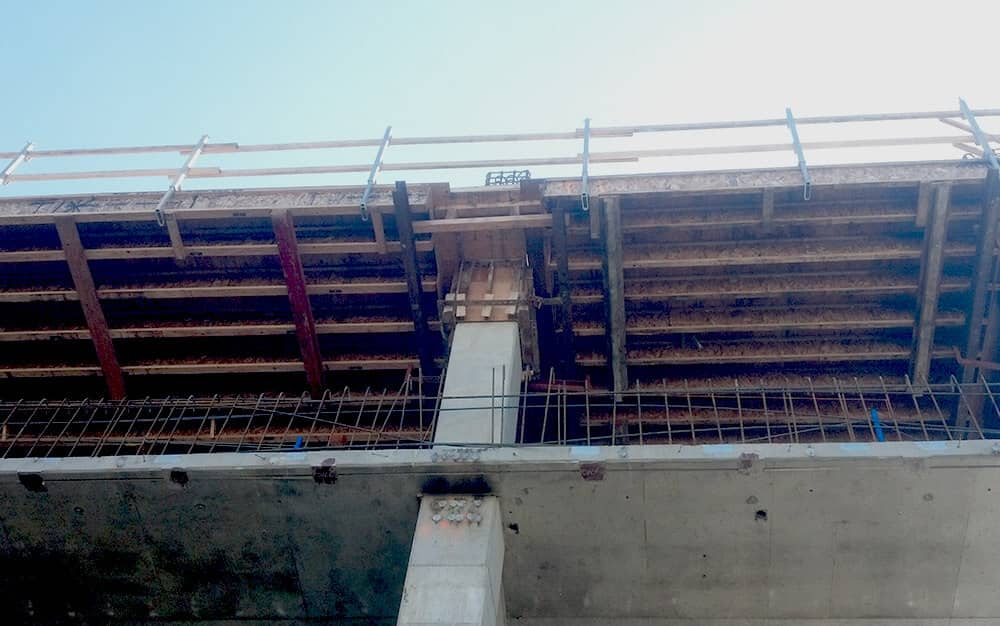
<point>481,385</point>
<point>455,572</point>
<point>456,564</point>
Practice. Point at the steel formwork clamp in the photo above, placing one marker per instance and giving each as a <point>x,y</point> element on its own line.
<point>175,184</point>
<point>984,143</point>
<point>797,145</point>
<point>23,155</point>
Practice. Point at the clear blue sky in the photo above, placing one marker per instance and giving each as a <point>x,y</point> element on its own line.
<point>102,73</point>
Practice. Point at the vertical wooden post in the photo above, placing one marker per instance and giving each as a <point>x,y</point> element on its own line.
<point>983,269</point>
<point>924,198</point>
<point>614,291</point>
<point>83,281</point>
<point>295,281</point>
<point>535,244</point>
<point>564,319</point>
<point>931,264</point>
<point>414,283</point>
<point>767,208</point>
<point>974,346</point>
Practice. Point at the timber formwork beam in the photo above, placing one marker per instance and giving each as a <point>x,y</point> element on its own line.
<point>414,290</point>
<point>564,315</point>
<point>931,265</point>
<point>298,297</point>
<point>97,324</point>
<point>985,250</point>
<point>614,290</point>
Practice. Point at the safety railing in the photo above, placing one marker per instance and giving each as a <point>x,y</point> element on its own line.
<point>972,141</point>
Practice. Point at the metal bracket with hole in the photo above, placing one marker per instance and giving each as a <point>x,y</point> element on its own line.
<point>984,143</point>
<point>175,184</point>
<point>325,473</point>
<point>373,174</point>
<point>803,167</point>
<point>22,156</point>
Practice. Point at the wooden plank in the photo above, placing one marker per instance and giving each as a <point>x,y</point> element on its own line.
<point>222,367</point>
<point>707,292</point>
<point>667,221</point>
<point>931,264</point>
<point>166,252</point>
<point>302,315</point>
<point>770,327</point>
<point>50,372</point>
<point>566,357</point>
<point>472,224</point>
<point>220,291</point>
<point>614,291</point>
<point>83,281</point>
<point>820,357</point>
<point>51,295</point>
<point>408,247</point>
<point>872,254</point>
<point>224,330</point>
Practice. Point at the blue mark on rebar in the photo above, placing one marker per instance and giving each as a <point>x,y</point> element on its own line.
<point>878,425</point>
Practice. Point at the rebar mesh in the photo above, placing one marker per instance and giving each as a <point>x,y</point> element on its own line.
<point>550,413</point>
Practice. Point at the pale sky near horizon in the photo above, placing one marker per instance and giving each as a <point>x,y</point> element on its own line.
<point>108,73</point>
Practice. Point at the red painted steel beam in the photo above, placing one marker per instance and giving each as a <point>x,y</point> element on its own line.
<point>295,280</point>
<point>83,281</point>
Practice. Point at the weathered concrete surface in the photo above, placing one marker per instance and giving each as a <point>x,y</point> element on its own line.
<point>814,540</point>
<point>484,364</point>
<point>758,622</point>
<point>692,534</point>
<point>224,546</point>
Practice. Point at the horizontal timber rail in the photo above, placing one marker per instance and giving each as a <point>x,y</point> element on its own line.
<point>214,291</point>
<point>553,413</point>
<point>965,141</point>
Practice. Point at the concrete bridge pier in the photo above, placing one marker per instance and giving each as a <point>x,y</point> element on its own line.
<point>455,572</point>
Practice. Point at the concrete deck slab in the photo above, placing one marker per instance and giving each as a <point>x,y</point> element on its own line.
<point>852,532</point>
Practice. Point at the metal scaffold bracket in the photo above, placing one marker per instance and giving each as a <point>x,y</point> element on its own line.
<point>803,167</point>
<point>981,138</point>
<point>22,156</point>
<point>373,174</point>
<point>585,173</point>
<point>175,184</point>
